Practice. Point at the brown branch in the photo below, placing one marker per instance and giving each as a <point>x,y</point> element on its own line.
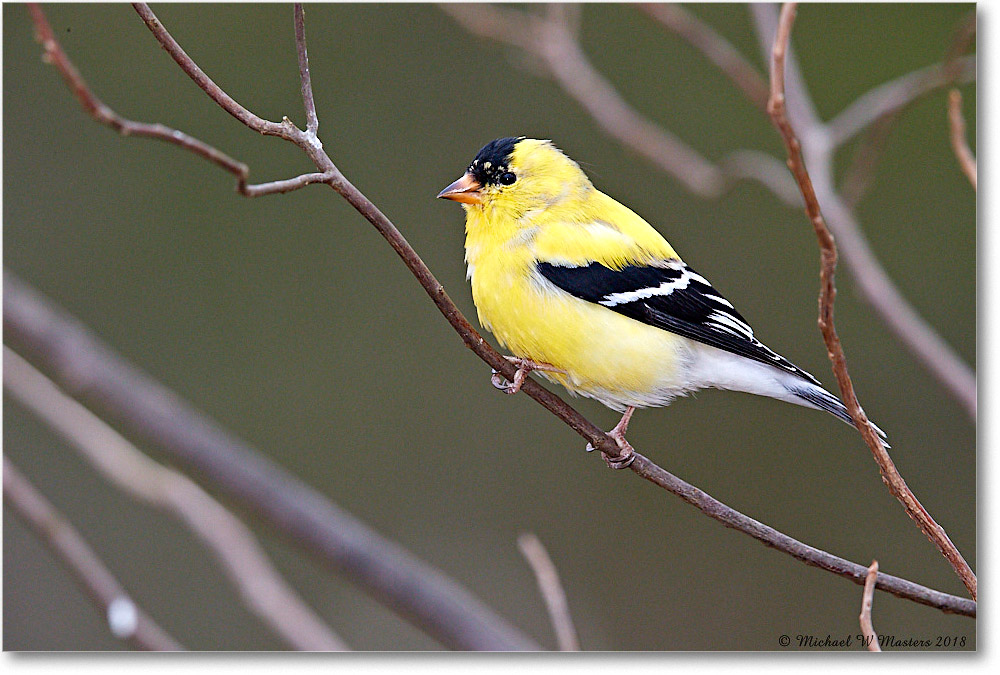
<point>713,46</point>
<point>828,249</point>
<point>124,618</point>
<point>312,121</point>
<point>232,543</point>
<point>158,415</point>
<point>958,142</point>
<point>552,591</point>
<point>867,598</point>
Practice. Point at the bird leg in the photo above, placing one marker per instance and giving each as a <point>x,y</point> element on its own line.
<point>624,460</point>
<point>524,366</point>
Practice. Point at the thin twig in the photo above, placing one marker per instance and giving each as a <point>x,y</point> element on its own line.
<point>153,412</point>
<point>828,250</point>
<point>713,46</point>
<point>958,142</point>
<point>125,619</point>
<point>552,591</point>
<point>312,121</point>
<point>232,543</point>
<point>867,598</point>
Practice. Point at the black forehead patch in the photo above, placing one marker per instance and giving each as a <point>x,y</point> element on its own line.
<point>492,160</point>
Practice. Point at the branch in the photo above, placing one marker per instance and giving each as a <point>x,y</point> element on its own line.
<point>828,249</point>
<point>713,46</point>
<point>552,591</point>
<point>867,598</point>
<point>153,412</point>
<point>232,543</point>
<point>958,143</point>
<point>125,619</point>
<point>896,95</point>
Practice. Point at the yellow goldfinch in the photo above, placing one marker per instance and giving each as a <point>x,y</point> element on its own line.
<point>587,293</point>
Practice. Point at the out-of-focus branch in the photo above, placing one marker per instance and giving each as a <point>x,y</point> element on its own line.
<point>828,250</point>
<point>232,543</point>
<point>713,46</point>
<point>553,42</point>
<point>958,142</point>
<point>125,619</point>
<point>552,591</point>
<point>867,598</point>
<point>88,369</point>
<point>897,94</point>
<point>83,365</point>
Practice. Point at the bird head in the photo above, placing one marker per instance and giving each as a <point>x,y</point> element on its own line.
<point>517,175</point>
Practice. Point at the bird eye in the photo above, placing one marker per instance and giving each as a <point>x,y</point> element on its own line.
<point>507,178</point>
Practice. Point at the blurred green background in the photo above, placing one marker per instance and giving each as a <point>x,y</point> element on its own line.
<point>292,323</point>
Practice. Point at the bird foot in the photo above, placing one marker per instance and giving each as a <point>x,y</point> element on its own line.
<point>627,456</point>
<point>524,366</point>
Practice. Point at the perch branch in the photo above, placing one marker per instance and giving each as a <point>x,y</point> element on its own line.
<point>828,249</point>
<point>156,414</point>
<point>958,142</point>
<point>552,591</point>
<point>867,598</point>
<point>232,543</point>
<point>124,618</point>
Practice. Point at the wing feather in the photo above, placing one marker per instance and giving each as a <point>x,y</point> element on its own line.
<point>672,296</point>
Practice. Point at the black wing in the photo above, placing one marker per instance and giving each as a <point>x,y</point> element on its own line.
<point>670,296</point>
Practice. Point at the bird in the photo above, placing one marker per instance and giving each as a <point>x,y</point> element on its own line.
<point>583,291</point>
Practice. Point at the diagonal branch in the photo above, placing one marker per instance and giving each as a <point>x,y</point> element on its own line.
<point>552,591</point>
<point>263,589</point>
<point>828,250</point>
<point>125,619</point>
<point>158,415</point>
<point>958,142</point>
<point>716,48</point>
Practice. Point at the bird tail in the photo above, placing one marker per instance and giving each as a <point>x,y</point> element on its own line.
<point>817,397</point>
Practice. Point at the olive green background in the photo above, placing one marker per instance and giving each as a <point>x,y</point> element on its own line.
<point>289,321</point>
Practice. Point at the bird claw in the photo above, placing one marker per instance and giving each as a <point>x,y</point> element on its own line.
<point>524,366</point>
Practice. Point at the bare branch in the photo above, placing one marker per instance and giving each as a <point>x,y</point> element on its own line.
<point>86,368</point>
<point>154,413</point>
<point>312,121</point>
<point>898,94</point>
<point>232,543</point>
<point>552,591</point>
<point>124,618</point>
<point>958,143</point>
<point>286,185</point>
<point>828,250</point>
<point>867,598</point>
<point>713,46</point>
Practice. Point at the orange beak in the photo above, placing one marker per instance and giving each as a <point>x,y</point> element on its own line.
<point>465,190</point>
